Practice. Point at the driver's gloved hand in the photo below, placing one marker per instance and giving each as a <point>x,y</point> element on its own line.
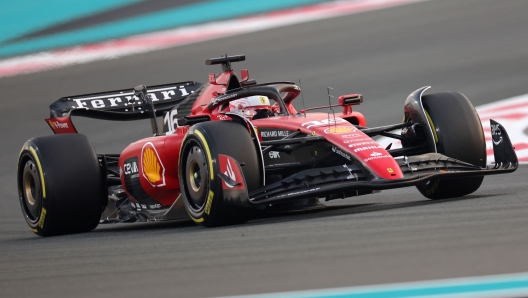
<point>263,113</point>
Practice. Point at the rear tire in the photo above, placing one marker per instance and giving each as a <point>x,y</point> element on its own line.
<point>60,185</point>
<point>200,184</point>
<point>459,135</point>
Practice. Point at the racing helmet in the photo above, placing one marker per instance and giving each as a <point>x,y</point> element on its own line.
<point>249,105</point>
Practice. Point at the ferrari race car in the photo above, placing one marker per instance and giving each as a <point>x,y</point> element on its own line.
<point>231,147</point>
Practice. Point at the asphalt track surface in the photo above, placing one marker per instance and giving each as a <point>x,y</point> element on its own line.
<point>476,47</point>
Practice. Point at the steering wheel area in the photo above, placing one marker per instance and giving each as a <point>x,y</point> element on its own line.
<point>252,101</point>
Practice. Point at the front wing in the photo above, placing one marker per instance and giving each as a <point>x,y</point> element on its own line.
<point>349,180</point>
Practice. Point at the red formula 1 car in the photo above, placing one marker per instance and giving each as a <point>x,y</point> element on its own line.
<point>231,147</point>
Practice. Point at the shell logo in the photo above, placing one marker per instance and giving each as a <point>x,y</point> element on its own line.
<point>153,169</point>
<point>340,129</point>
<point>51,124</point>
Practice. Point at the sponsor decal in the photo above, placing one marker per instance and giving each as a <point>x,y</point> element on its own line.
<point>377,157</point>
<point>274,154</point>
<point>58,125</point>
<point>341,152</point>
<point>390,170</point>
<point>274,133</point>
<point>230,173</point>
<point>153,169</point>
<point>340,130</point>
<point>223,117</point>
<point>323,122</point>
<point>222,98</point>
<point>351,135</point>
<point>231,170</point>
<point>359,144</point>
<point>123,99</point>
<point>299,192</point>
<point>495,131</point>
<point>497,142</point>
<point>131,172</point>
<point>209,202</point>
<point>347,141</point>
<point>154,206</point>
<point>374,153</point>
<point>351,176</point>
<point>313,133</point>
<point>130,168</point>
<point>42,218</point>
<point>368,148</point>
<point>432,187</point>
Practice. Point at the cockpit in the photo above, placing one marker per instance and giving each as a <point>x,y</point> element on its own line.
<point>254,107</point>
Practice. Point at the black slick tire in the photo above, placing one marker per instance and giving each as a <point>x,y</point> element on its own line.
<point>458,134</point>
<point>200,184</point>
<point>60,185</point>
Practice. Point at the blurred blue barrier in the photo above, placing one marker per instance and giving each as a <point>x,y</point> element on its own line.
<point>24,16</point>
<point>170,18</point>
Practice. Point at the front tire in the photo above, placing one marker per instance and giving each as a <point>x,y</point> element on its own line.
<point>458,134</point>
<point>200,184</point>
<point>60,185</point>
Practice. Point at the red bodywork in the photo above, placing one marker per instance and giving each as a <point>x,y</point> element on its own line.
<point>154,160</point>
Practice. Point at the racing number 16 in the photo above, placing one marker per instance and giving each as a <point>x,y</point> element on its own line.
<point>169,122</point>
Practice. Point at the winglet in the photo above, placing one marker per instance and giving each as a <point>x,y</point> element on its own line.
<point>503,150</point>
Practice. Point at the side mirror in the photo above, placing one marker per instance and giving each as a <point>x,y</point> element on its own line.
<point>350,99</point>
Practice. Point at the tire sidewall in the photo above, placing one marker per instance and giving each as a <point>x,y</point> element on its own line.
<point>459,132</point>
<point>72,184</point>
<point>214,138</point>
<point>205,214</point>
<point>40,222</point>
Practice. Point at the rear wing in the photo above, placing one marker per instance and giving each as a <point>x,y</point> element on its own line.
<point>120,105</point>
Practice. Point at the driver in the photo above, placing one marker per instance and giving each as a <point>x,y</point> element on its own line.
<point>256,107</point>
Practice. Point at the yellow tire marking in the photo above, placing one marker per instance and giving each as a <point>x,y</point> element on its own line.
<point>33,230</point>
<point>209,202</point>
<point>432,126</point>
<point>433,188</point>
<point>210,160</point>
<point>40,171</point>
<point>42,218</point>
<point>197,220</point>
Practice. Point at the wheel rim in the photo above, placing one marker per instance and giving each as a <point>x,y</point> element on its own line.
<point>196,178</point>
<point>31,191</point>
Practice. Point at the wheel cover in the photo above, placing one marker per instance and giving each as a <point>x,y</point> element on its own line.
<point>31,192</point>
<point>196,176</point>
